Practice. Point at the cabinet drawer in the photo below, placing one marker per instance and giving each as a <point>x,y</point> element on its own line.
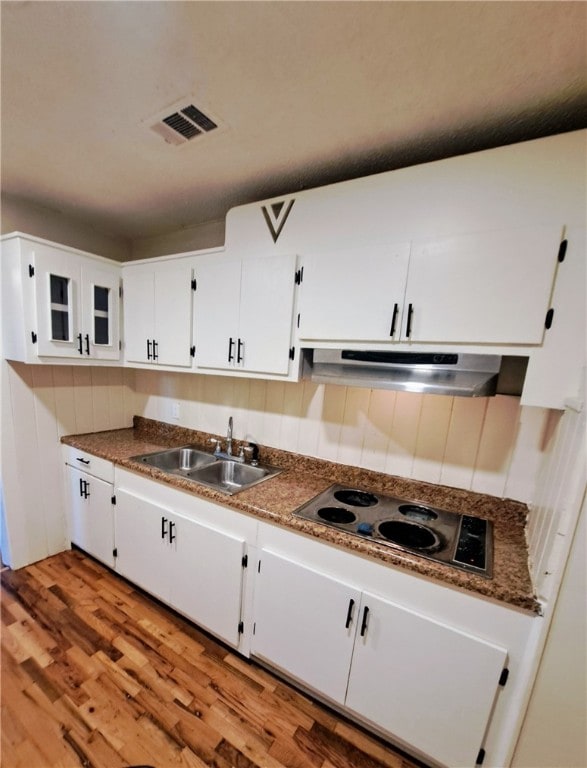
<point>93,465</point>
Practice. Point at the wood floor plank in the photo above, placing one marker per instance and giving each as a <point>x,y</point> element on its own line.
<point>99,675</point>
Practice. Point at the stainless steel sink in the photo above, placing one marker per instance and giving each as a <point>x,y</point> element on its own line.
<point>231,476</point>
<point>177,460</point>
<point>222,474</point>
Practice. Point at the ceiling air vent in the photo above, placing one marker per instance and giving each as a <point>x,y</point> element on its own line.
<point>184,124</point>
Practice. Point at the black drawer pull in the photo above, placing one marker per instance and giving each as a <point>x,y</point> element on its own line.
<point>364,622</point>
<point>239,357</point>
<point>83,461</point>
<point>349,616</point>
<point>172,536</point>
<point>148,349</point>
<point>79,342</point>
<point>163,527</point>
<point>393,319</point>
<point>409,322</point>
<point>230,346</point>
<point>155,350</point>
<point>87,338</point>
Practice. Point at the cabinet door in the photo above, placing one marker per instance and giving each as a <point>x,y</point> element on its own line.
<point>265,320</point>
<point>141,532</point>
<point>100,311</point>
<point>305,623</point>
<point>139,314</point>
<point>173,314</point>
<point>58,299</point>
<point>488,288</point>
<point>91,522</point>
<point>216,311</point>
<point>428,684</point>
<point>354,295</point>
<point>207,577</point>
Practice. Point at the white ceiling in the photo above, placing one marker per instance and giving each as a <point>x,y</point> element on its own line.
<point>307,93</point>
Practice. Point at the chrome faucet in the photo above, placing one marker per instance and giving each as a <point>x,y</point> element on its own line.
<point>229,437</point>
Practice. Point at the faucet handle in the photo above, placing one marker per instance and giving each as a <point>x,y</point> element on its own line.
<point>253,449</point>
<point>217,442</point>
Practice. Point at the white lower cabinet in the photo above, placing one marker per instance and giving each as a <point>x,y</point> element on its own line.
<point>429,685</point>
<point>190,564</point>
<point>305,623</point>
<point>89,498</point>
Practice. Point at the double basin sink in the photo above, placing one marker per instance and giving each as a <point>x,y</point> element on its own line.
<point>223,474</point>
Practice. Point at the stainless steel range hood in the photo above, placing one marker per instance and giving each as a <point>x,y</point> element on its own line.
<point>425,372</point>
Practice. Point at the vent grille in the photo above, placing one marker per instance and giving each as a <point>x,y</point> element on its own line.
<point>183,124</point>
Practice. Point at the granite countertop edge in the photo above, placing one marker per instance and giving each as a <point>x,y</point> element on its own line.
<point>304,477</point>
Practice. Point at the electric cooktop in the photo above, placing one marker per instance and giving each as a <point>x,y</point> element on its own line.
<point>459,540</point>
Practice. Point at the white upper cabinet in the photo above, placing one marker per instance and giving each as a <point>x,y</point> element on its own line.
<point>488,288</point>
<point>157,301</point>
<point>58,302</point>
<point>243,314</point>
<point>354,295</point>
<point>483,288</point>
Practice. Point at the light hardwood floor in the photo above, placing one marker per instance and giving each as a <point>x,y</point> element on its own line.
<point>96,674</point>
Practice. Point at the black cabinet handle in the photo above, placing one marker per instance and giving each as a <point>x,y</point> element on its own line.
<point>239,357</point>
<point>349,616</point>
<point>148,349</point>
<point>409,322</point>
<point>163,527</point>
<point>83,461</point>
<point>79,342</point>
<point>364,622</point>
<point>171,533</point>
<point>394,319</point>
<point>87,338</point>
<point>155,350</point>
<point>230,346</point>
<point>83,488</point>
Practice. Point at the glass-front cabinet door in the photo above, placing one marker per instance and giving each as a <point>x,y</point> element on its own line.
<point>100,310</point>
<point>77,303</point>
<point>57,277</point>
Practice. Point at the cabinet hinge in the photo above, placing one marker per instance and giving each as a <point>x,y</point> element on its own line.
<point>245,561</point>
<point>292,353</point>
<point>192,351</point>
<point>115,552</point>
<point>31,270</point>
<point>505,673</point>
<point>548,320</point>
<point>241,627</point>
<point>34,337</point>
<point>299,276</point>
<point>113,500</point>
<point>194,284</point>
<point>480,757</point>
<point>562,251</point>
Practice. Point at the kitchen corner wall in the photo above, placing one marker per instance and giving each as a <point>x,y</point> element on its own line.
<point>489,445</point>
<point>40,403</point>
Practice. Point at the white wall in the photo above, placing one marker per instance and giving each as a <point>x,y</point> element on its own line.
<point>489,445</point>
<point>554,732</point>
<point>39,405</point>
<point>195,238</point>
<point>22,216</point>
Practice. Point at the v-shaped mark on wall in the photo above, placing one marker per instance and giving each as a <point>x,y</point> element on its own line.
<point>276,215</point>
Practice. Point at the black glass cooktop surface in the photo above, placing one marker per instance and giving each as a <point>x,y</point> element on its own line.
<point>460,540</point>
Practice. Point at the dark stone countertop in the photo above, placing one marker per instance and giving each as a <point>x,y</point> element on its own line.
<point>303,477</point>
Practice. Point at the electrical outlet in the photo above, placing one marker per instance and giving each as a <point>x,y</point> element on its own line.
<point>175,411</point>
